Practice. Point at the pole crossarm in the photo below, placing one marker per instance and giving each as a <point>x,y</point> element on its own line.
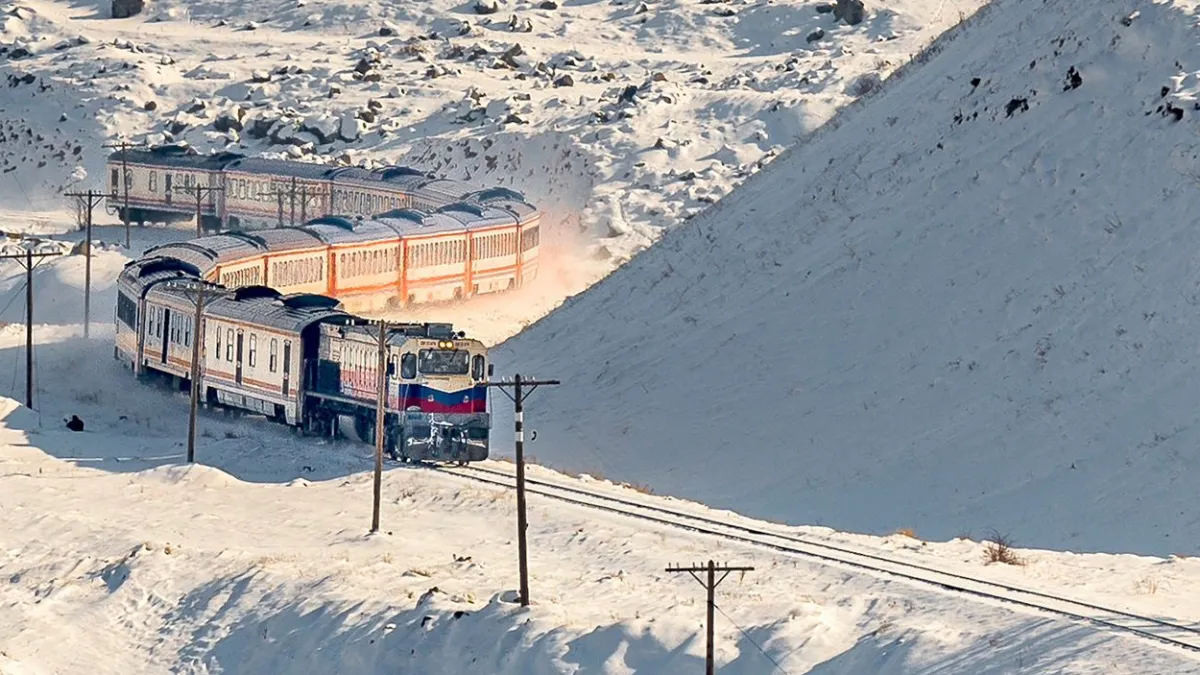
<point>710,583</point>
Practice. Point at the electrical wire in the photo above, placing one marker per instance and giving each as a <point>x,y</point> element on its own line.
<point>750,640</point>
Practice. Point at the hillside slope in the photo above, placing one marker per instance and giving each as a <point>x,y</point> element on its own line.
<point>970,303</point>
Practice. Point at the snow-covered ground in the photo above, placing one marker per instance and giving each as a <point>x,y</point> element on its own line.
<point>619,118</point>
<point>117,558</point>
<point>968,304</point>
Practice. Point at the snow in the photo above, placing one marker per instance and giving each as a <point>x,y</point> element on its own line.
<point>929,314</point>
<point>918,318</point>
<point>259,560</point>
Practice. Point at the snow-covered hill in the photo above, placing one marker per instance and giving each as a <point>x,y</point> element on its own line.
<point>970,303</point>
<point>116,558</point>
<point>620,118</point>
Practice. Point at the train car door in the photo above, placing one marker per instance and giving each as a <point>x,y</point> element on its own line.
<point>238,360</point>
<point>287,365</point>
<point>166,332</point>
<point>167,186</point>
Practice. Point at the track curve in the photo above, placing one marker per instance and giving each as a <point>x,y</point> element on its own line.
<point>1162,631</point>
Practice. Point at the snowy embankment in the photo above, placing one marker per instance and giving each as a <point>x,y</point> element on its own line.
<point>620,119</point>
<point>970,304</point>
<point>261,562</point>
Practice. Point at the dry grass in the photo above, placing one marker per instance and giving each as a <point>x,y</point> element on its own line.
<point>907,532</point>
<point>997,548</point>
<point>1147,586</point>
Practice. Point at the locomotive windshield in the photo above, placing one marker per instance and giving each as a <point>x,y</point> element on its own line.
<point>444,361</point>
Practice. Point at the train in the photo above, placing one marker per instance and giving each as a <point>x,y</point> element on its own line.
<point>302,360</point>
<point>393,236</point>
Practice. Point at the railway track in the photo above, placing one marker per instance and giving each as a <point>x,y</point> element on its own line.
<point>1164,632</point>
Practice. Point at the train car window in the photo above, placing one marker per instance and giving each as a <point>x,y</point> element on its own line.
<point>153,181</point>
<point>217,355</point>
<point>477,369</point>
<point>408,366</point>
<point>444,361</point>
<point>187,333</point>
<point>229,345</point>
<point>273,362</point>
<point>253,349</point>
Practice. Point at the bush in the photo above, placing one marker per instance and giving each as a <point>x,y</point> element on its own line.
<point>998,548</point>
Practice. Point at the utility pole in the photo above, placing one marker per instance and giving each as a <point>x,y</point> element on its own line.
<point>380,417</point>
<point>126,179</point>
<point>199,191</point>
<point>305,195</point>
<point>199,293</point>
<point>518,398</point>
<point>26,261</point>
<point>710,583</point>
<point>93,199</point>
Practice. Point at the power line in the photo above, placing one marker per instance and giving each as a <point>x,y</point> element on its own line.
<point>751,640</point>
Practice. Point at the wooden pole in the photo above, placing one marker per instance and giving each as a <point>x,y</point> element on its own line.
<point>194,403</point>
<point>29,329</point>
<point>87,274</point>
<point>380,403</point>
<point>518,398</point>
<point>710,583</point>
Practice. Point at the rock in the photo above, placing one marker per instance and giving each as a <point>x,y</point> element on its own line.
<point>565,81</point>
<point>864,84</point>
<point>815,35</point>
<point>641,8</point>
<point>123,9</point>
<point>658,77</point>
<point>260,127</point>
<point>486,6</point>
<point>1074,79</point>
<point>150,105</point>
<point>367,116</point>
<point>374,106</point>
<point>824,8</point>
<point>351,127</point>
<point>850,11</point>
<point>514,119</point>
<point>250,25</point>
<point>517,25</point>
<point>497,108</point>
<point>547,4</point>
<point>19,53</point>
<point>334,90</point>
<point>628,94</point>
<point>175,128</point>
<point>509,57</point>
<point>388,30</point>
<point>260,76</point>
<point>725,11</point>
<point>395,92</point>
<point>324,127</point>
<point>363,66</point>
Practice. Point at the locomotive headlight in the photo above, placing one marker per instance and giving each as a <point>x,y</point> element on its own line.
<point>446,344</point>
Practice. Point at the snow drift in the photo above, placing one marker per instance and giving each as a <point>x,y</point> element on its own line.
<point>968,304</point>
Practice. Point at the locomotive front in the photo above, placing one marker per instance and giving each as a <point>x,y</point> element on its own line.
<point>441,399</point>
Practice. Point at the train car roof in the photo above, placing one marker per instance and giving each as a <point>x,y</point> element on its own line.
<point>263,306</point>
<point>144,273</point>
<point>177,156</point>
<point>282,238</point>
<point>342,230</point>
<point>207,252</point>
<point>282,167</point>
